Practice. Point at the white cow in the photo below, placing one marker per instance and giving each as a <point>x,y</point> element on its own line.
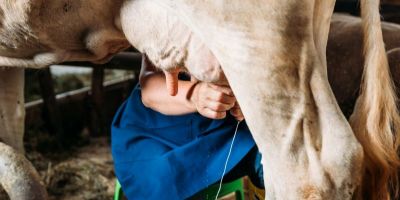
<point>273,56</point>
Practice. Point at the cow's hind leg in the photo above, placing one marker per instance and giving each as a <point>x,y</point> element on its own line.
<point>12,111</point>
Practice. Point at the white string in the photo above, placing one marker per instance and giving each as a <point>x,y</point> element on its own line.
<point>226,162</point>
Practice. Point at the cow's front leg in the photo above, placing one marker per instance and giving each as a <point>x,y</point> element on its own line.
<point>12,111</point>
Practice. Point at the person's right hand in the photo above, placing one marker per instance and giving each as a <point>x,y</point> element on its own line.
<point>212,101</point>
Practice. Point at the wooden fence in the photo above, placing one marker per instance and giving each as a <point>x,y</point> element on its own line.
<point>92,107</point>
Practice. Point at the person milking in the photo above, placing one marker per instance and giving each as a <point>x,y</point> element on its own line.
<point>173,146</point>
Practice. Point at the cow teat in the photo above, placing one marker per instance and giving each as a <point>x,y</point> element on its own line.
<point>171,79</point>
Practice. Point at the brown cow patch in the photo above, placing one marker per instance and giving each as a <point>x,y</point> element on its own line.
<point>310,192</point>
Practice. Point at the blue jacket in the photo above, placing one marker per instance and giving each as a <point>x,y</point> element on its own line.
<point>171,157</point>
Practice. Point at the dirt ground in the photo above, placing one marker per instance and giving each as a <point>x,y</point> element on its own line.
<point>84,174</point>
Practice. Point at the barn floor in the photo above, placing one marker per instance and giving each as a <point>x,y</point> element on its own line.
<point>85,173</point>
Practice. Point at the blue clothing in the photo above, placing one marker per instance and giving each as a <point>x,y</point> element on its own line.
<point>172,157</point>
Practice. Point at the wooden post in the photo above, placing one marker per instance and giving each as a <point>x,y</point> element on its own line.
<point>51,112</point>
<point>97,124</point>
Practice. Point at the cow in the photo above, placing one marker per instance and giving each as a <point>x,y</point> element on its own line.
<point>272,55</point>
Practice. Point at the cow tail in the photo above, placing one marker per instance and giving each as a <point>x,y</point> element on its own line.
<point>375,120</point>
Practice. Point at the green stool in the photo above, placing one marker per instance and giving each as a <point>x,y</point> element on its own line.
<point>118,194</point>
<point>209,193</point>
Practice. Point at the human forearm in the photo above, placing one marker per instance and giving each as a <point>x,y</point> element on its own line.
<point>156,96</point>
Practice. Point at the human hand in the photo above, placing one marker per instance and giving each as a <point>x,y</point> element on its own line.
<point>212,100</point>
<point>237,112</point>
